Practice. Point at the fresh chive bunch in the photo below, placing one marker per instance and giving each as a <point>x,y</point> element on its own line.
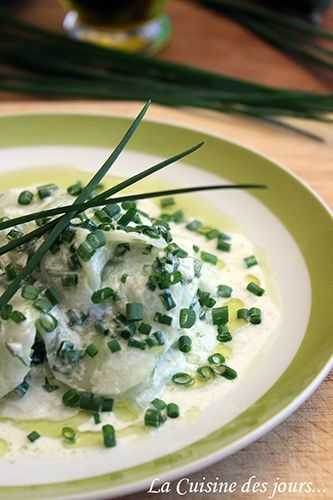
<point>55,66</point>
<point>294,36</point>
<point>52,230</point>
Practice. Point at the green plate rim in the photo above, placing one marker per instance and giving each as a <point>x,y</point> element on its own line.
<point>314,357</point>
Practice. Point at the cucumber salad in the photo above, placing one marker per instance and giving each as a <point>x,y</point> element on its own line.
<point>135,304</point>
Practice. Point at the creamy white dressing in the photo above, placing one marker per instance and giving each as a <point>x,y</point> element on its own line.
<point>132,374</point>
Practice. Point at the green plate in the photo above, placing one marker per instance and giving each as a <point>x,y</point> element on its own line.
<point>288,222</point>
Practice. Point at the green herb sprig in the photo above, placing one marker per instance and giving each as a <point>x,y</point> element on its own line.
<point>91,71</point>
<point>53,229</point>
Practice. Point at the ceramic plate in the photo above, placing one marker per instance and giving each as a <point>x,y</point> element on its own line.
<point>288,222</point>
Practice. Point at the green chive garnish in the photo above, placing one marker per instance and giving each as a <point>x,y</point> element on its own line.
<point>195,225</point>
<point>137,344</point>
<point>167,202</point>
<point>46,323</point>
<point>86,251</point>
<point>243,313</point>
<point>96,239</point>
<point>167,300</point>
<point>25,198</point>
<point>255,289</point>
<point>209,258</point>
<point>223,334</point>
<point>182,378</point>
<point>164,319</point>
<point>30,292</point>
<point>114,345</point>
<point>205,372</point>
<point>70,280</point>
<point>216,359</point>
<point>75,189</point>
<point>42,305</point>
<point>187,318</point>
<point>173,410</point>
<point>229,373</point>
<point>185,343</point>
<point>223,245</point>
<point>17,317</point>
<point>69,434</point>
<point>103,295</point>
<point>33,436</point>
<point>250,261</point>
<point>109,436</point>
<point>255,315</point>
<point>46,191</point>
<point>92,350</point>
<point>220,315</point>
<point>134,311</point>
<point>224,291</point>
<point>144,328</point>
<point>53,296</point>
<point>152,418</point>
<point>71,398</point>
<point>159,404</point>
<point>159,337</point>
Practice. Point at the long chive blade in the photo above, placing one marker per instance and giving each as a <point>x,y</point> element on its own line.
<point>100,198</point>
<point>109,201</point>
<point>63,222</point>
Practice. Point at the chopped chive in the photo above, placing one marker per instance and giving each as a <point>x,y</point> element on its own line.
<point>209,258</point>
<point>128,217</point>
<point>223,334</point>
<point>168,301</point>
<point>17,317</point>
<point>216,359</point>
<point>173,410</point>
<point>224,291</point>
<point>187,318</point>
<point>159,404</point>
<point>33,436</point>
<point>159,337</point>
<point>205,299</point>
<point>182,378</point>
<point>90,402</point>
<point>75,189</point>
<point>53,296</point>
<point>43,305</point>
<point>255,289</point>
<point>30,292</point>
<point>223,245</point>
<point>144,328</point>
<point>6,311</point>
<point>243,313</point>
<point>167,202</point>
<point>46,191</point>
<point>229,373</point>
<point>96,239</point>
<point>114,345</point>
<point>12,271</point>
<point>102,216</point>
<point>175,250</point>
<point>123,278</point>
<point>46,323</point>
<point>196,249</point>
<point>103,295</point>
<point>97,418</point>
<point>185,343</point>
<point>92,350</point>
<point>134,311</point>
<point>250,261</point>
<point>71,398</point>
<point>86,251</point>
<point>137,344</point>
<point>107,404</point>
<point>25,198</point>
<point>164,319</point>
<point>194,225</point>
<point>109,436</point>
<point>112,210</point>
<point>255,315</point>
<point>14,234</point>
<point>70,280</point>
<point>205,372</point>
<point>152,418</point>
<point>220,315</point>
<point>69,434</point>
